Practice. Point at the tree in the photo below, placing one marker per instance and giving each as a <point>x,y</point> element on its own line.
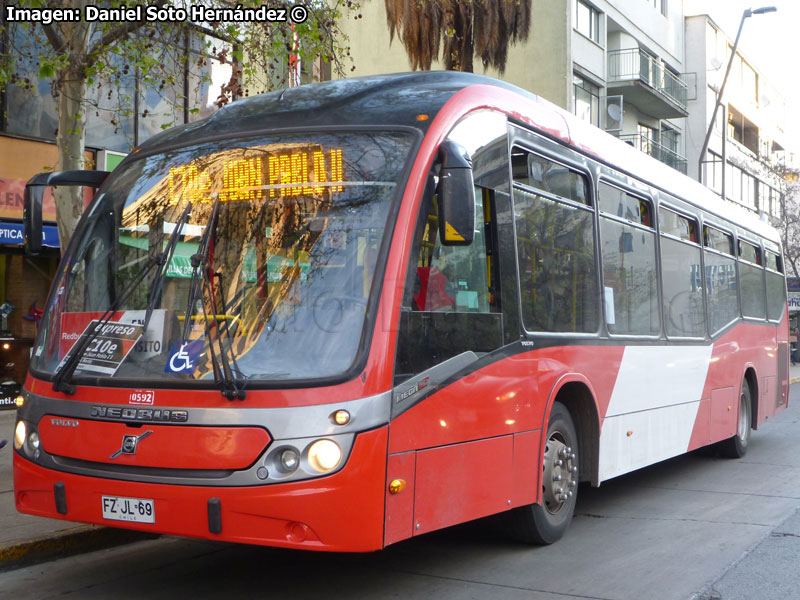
<point>74,55</point>
<point>463,29</point>
<point>789,224</point>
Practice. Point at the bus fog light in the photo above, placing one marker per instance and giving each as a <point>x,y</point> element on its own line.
<point>324,455</point>
<point>290,460</point>
<point>20,433</point>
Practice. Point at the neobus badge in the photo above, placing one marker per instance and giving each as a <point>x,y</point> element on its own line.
<point>140,414</point>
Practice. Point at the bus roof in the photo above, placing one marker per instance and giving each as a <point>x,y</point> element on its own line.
<point>397,99</point>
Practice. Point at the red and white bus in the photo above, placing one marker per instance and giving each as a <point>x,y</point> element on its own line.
<point>342,315</point>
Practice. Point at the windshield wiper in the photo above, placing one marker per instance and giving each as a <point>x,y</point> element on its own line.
<point>61,380</point>
<point>163,267</point>
<point>67,369</point>
<point>225,366</point>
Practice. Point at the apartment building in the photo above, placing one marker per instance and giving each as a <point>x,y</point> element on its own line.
<point>748,136</point>
<point>615,63</point>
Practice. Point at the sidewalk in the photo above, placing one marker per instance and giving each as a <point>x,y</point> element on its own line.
<point>26,540</point>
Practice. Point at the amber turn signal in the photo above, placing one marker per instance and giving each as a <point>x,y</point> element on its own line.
<point>397,486</point>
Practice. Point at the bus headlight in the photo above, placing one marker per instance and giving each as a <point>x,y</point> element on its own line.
<point>324,455</point>
<point>20,433</point>
<point>33,440</point>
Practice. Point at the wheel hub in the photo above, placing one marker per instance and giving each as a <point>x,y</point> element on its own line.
<point>560,473</point>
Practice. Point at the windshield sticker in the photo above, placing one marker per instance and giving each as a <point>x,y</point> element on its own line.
<point>184,356</point>
<point>150,344</point>
<point>105,353</point>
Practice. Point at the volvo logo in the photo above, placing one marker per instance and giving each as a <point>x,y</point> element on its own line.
<point>129,444</point>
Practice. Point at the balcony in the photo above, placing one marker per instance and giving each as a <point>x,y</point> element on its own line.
<point>646,84</point>
<point>657,151</point>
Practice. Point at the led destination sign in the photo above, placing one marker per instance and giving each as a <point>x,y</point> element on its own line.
<point>269,175</point>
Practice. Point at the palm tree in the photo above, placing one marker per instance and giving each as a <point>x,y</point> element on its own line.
<point>463,28</point>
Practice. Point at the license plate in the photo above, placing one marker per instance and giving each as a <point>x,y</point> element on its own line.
<point>136,510</point>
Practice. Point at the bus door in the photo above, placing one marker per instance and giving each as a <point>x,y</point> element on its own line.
<point>459,307</point>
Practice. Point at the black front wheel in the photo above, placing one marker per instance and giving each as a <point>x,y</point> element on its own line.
<point>547,522</point>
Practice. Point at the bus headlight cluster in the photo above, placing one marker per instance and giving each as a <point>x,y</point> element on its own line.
<point>26,439</point>
<point>289,460</point>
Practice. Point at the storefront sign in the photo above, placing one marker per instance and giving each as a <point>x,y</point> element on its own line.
<point>13,234</point>
<point>794,301</point>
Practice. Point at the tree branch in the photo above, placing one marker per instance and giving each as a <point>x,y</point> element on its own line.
<point>115,34</point>
<point>56,41</point>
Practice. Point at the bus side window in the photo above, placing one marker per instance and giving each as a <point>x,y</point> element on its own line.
<point>751,277</point>
<point>450,305</point>
<point>555,246</point>
<point>722,301</point>
<point>776,289</point>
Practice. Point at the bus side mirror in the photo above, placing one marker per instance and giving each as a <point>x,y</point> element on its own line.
<point>455,196</point>
<point>34,194</point>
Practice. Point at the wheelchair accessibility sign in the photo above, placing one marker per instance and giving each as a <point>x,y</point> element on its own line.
<point>184,356</point>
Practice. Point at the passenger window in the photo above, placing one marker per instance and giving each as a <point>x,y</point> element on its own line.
<point>749,252</point>
<point>682,281</point>
<point>671,223</point>
<point>542,174</point>
<point>620,203</point>
<point>718,240</point>
<point>776,287</point>
<point>555,246</point>
<point>722,301</point>
<point>751,276</point>
<point>629,262</point>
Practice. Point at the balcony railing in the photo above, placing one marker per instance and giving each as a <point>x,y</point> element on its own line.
<point>633,64</point>
<point>657,151</point>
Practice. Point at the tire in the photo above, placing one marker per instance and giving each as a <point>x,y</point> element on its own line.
<point>736,446</point>
<point>547,522</point>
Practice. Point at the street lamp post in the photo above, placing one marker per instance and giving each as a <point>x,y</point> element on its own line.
<point>747,13</point>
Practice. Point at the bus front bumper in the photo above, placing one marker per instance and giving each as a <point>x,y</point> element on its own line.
<point>340,512</point>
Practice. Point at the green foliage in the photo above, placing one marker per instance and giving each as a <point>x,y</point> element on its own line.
<point>257,56</point>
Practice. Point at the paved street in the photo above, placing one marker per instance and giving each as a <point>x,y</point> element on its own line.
<point>694,526</point>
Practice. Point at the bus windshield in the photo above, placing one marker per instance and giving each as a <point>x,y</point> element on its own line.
<point>267,250</point>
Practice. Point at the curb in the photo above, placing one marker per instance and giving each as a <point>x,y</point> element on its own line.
<point>795,380</point>
<point>73,541</point>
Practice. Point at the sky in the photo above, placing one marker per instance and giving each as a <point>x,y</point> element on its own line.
<point>770,42</point>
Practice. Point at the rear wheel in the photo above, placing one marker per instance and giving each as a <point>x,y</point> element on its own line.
<point>736,446</point>
<point>547,522</point>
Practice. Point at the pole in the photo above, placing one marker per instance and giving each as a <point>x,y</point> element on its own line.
<point>746,14</point>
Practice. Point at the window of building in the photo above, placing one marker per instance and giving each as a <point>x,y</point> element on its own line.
<point>555,246</point>
<point>722,301</point>
<point>681,275</point>
<point>670,138</point>
<point>629,262</point>
<point>742,130</point>
<point>647,138</point>
<point>587,21</point>
<point>587,99</point>
<point>120,113</point>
